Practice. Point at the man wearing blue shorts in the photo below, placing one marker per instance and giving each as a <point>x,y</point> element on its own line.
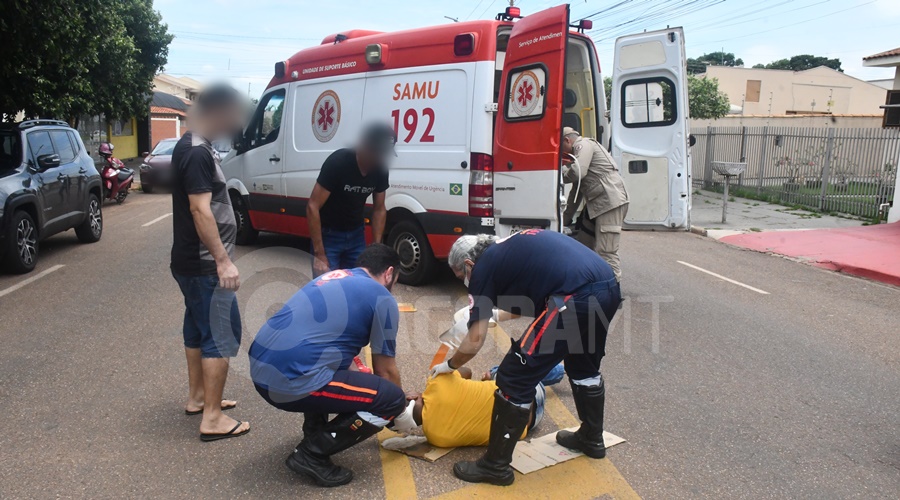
<point>301,361</point>
<point>204,231</point>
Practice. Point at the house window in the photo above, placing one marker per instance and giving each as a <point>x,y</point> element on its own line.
<point>753,88</point>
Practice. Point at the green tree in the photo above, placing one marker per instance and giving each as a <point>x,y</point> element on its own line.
<point>698,65</point>
<point>607,88</point>
<point>63,58</point>
<point>804,62</point>
<point>705,99</point>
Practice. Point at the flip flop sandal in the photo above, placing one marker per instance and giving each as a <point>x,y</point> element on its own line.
<point>200,411</point>
<point>226,435</point>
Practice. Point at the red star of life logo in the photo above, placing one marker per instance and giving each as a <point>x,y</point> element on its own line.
<point>326,116</point>
<point>524,99</point>
<point>526,93</point>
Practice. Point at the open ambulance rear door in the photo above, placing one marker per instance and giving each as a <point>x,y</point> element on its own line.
<point>650,131</point>
<point>528,126</point>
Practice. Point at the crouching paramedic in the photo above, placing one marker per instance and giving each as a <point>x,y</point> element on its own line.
<point>574,295</point>
<point>301,358</point>
<point>603,191</point>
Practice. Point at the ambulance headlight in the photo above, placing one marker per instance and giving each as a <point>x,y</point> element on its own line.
<point>373,53</point>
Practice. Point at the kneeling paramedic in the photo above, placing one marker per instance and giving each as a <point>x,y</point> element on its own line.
<point>301,361</point>
<point>573,294</point>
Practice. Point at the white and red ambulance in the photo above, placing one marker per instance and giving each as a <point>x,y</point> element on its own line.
<point>479,109</point>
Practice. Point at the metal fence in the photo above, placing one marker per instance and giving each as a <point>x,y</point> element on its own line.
<point>848,170</point>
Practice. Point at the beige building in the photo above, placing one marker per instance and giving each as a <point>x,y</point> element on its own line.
<point>771,92</point>
<point>184,87</point>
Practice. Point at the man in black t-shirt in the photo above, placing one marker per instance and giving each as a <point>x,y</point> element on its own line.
<point>336,208</point>
<point>204,231</point>
<point>573,294</point>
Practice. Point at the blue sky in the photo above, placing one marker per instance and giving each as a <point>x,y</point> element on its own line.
<point>240,40</point>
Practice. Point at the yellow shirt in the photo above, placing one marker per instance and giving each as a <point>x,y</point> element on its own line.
<point>457,411</point>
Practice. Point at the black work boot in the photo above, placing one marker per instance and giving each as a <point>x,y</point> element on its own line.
<point>313,422</point>
<point>507,424</point>
<point>588,439</point>
<point>312,456</point>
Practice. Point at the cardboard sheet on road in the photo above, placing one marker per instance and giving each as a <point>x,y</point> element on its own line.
<point>415,446</point>
<point>530,456</point>
<point>543,452</point>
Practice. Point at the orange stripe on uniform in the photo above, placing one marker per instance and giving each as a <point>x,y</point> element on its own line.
<point>540,334</point>
<point>353,388</point>
<point>359,399</point>
<point>531,328</point>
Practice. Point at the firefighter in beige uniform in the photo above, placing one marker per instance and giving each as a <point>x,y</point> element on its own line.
<point>603,192</point>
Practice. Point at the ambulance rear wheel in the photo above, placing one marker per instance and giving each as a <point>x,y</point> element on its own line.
<point>416,259</point>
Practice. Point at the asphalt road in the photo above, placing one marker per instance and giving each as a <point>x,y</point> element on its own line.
<point>725,393</point>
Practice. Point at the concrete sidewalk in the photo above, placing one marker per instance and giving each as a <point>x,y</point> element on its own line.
<point>871,252</point>
<point>751,216</point>
<point>836,243</point>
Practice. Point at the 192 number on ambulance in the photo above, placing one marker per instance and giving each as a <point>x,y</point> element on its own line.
<point>411,124</point>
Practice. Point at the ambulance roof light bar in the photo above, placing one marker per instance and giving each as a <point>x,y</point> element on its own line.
<point>509,14</point>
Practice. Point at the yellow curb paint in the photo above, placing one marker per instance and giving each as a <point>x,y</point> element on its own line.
<point>395,467</point>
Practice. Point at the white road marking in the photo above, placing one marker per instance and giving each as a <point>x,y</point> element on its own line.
<point>723,278</point>
<point>30,280</point>
<point>154,221</point>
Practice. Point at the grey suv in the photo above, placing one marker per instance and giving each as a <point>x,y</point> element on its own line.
<point>48,184</point>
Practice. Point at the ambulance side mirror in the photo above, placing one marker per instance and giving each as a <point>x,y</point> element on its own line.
<point>238,143</point>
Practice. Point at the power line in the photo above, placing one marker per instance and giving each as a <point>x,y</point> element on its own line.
<point>475,8</point>
<point>788,25</point>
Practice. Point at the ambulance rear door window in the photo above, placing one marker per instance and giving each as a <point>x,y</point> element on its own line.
<point>525,91</point>
<point>649,102</point>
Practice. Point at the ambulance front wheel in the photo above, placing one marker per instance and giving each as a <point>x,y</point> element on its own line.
<point>246,234</point>
<point>416,259</point>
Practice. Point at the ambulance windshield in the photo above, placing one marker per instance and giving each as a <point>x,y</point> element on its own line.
<point>579,98</point>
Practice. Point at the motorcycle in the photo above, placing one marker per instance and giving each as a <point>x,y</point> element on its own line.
<point>117,178</point>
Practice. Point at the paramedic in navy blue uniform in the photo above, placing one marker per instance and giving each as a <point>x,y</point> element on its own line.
<point>301,361</point>
<point>573,294</point>
<point>336,208</point>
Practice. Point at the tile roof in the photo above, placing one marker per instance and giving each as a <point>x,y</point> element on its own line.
<point>887,53</point>
<point>159,110</point>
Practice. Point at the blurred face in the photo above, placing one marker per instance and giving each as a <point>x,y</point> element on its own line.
<point>222,123</point>
<point>369,158</point>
